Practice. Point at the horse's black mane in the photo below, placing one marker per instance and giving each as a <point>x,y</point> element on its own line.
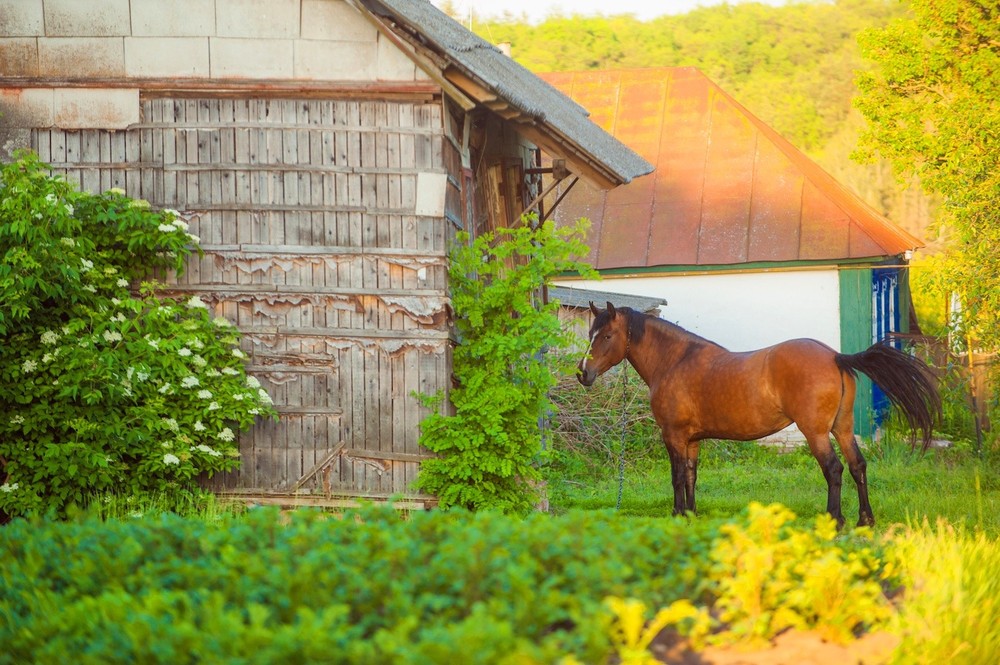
<point>637,325</point>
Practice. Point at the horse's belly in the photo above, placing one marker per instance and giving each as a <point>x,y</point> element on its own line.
<point>740,416</point>
<point>741,431</point>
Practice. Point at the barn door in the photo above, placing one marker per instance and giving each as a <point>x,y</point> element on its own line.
<point>885,320</point>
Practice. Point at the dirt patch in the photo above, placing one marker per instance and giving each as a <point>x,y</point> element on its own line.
<point>790,648</point>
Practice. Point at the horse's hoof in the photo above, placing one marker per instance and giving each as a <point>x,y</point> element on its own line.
<point>866,520</point>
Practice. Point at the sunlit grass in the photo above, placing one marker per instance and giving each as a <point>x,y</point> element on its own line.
<point>904,486</point>
<point>950,609</point>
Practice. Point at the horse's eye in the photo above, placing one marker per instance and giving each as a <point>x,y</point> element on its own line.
<point>607,337</point>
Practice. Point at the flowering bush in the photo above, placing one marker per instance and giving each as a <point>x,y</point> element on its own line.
<point>103,386</point>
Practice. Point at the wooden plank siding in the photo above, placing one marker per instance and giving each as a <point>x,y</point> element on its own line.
<point>306,213</point>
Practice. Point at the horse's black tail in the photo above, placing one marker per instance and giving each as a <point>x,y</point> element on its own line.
<point>906,380</point>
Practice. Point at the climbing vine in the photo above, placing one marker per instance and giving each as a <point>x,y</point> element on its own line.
<point>510,352</point>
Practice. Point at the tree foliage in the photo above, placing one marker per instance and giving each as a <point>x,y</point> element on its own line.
<point>506,361</point>
<point>933,106</point>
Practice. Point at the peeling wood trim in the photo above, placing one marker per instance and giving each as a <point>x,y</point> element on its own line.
<point>156,88</point>
<point>279,290</point>
<point>251,168</point>
<point>416,335</point>
<point>321,250</point>
<point>209,126</point>
<point>268,207</point>
<point>338,499</point>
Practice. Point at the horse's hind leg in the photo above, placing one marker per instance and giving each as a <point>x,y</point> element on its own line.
<point>833,471</point>
<point>683,472</point>
<point>843,431</point>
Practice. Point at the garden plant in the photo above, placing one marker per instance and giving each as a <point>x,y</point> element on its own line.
<point>104,386</point>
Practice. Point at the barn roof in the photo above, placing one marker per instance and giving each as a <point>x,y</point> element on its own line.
<point>727,189</point>
<point>482,72</point>
<point>581,299</point>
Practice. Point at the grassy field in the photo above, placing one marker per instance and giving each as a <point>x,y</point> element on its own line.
<point>905,487</point>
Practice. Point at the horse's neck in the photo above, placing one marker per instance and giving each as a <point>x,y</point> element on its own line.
<point>663,346</point>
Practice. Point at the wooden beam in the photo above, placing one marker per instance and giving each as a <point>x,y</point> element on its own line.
<point>473,89</point>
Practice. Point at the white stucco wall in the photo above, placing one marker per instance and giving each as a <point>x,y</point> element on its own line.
<point>741,311</point>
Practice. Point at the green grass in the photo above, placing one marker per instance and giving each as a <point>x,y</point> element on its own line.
<point>202,506</point>
<point>904,487</point>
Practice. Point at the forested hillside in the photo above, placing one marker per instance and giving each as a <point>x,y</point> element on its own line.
<point>793,66</point>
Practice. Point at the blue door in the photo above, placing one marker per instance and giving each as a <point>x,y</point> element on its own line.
<point>885,320</point>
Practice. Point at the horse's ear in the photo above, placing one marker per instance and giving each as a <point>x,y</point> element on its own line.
<point>593,308</point>
<point>611,309</point>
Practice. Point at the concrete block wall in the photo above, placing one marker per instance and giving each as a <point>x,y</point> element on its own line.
<point>96,53</point>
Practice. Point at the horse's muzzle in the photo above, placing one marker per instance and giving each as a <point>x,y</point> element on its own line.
<point>586,376</point>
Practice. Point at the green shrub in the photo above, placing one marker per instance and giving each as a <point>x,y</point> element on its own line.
<point>103,385</point>
<point>375,586</point>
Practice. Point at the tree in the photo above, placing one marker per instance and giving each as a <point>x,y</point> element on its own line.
<point>933,107</point>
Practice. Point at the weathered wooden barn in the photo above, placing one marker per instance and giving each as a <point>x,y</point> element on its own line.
<point>749,240</point>
<point>326,152</point>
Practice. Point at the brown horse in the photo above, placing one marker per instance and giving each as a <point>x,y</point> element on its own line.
<point>699,390</point>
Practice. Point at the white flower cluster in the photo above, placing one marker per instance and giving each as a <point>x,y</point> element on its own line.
<point>208,450</point>
<point>170,458</point>
<point>8,487</point>
<point>190,381</point>
<point>49,337</point>
<point>226,435</point>
<point>196,303</point>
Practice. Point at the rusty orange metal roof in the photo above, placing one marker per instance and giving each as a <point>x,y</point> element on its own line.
<point>727,188</point>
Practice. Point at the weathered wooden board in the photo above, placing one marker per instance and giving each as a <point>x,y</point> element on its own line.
<point>305,211</point>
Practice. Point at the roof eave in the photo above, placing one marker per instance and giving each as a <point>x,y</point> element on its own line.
<point>470,90</point>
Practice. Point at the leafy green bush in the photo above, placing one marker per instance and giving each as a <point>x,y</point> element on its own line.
<point>375,586</point>
<point>104,386</point>
<point>506,361</point>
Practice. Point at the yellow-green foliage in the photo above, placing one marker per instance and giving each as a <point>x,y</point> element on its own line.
<point>631,634</point>
<point>769,574</point>
<point>950,611</point>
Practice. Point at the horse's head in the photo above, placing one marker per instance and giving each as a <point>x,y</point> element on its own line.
<point>608,344</point>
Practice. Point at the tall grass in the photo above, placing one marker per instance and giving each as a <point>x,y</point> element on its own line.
<point>951,605</point>
<point>199,506</point>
